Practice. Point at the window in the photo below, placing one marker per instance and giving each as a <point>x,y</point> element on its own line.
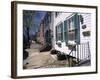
<point>72,29</point>
<point>71,24</point>
<point>69,30</point>
<point>71,36</point>
<point>59,32</point>
<point>57,13</point>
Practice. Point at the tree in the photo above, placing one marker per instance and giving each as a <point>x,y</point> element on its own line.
<point>27,22</point>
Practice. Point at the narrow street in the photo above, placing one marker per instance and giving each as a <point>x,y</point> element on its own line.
<point>39,59</point>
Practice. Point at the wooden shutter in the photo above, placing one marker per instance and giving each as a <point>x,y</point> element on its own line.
<point>56,34</point>
<point>61,26</point>
<point>77,28</point>
<point>65,32</point>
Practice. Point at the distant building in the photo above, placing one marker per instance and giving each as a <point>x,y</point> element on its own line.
<point>45,30</point>
<point>41,34</point>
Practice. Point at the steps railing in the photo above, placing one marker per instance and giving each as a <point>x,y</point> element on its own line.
<point>79,54</point>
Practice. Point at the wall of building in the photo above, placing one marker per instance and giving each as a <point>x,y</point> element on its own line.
<point>57,20</point>
<point>40,36</point>
<point>83,39</point>
<point>87,22</point>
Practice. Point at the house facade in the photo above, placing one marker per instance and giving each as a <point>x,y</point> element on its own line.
<point>68,33</point>
<point>72,30</point>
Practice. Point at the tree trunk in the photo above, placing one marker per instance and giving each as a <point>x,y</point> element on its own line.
<point>28,38</point>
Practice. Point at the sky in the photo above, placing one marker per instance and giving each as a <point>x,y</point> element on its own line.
<point>38,16</point>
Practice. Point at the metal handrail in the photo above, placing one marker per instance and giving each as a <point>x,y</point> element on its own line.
<point>81,53</point>
<point>72,50</point>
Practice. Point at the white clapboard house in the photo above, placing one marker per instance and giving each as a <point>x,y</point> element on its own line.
<point>71,34</point>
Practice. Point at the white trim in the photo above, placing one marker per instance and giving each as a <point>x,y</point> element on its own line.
<point>21,72</point>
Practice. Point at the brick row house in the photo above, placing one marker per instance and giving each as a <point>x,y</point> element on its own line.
<point>44,33</point>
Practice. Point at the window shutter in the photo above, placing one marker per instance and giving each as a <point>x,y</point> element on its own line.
<point>56,34</point>
<point>65,32</point>
<point>77,28</point>
<point>61,26</point>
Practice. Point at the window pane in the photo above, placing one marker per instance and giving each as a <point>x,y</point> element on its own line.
<point>71,35</point>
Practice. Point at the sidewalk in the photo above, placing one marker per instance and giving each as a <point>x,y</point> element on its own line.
<point>39,59</point>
